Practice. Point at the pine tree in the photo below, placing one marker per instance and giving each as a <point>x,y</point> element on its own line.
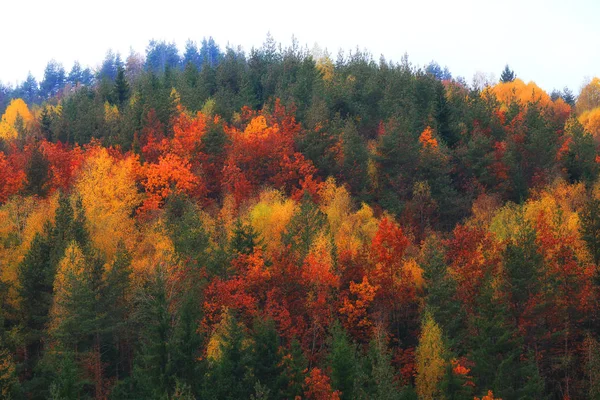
<point>36,276</point>
<point>266,358</point>
<point>303,227</point>
<point>186,344</point>
<point>343,362</point>
<point>590,228</point>
<point>496,352</point>
<point>294,365</point>
<point>121,90</point>
<point>245,238</point>
<point>381,375</point>
<point>229,374</point>
<point>152,370</point>
<point>507,75</point>
<point>37,173</point>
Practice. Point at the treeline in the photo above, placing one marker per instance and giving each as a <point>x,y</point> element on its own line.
<point>279,225</point>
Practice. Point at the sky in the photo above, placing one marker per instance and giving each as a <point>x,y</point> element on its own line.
<point>548,41</point>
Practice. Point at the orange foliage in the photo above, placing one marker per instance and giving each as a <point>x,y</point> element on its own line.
<point>427,139</point>
<point>489,396</point>
<point>356,308</point>
<point>318,387</point>
<point>519,92</point>
<point>264,152</point>
<point>188,134</point>
<point>170,174</point>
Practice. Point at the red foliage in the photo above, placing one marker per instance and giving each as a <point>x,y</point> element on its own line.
<point>64,163</point>
<point>470,256</point>
<point>12,177</point>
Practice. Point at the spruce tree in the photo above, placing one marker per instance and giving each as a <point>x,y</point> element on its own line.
<point>342,361</point>
<point>507,75</point>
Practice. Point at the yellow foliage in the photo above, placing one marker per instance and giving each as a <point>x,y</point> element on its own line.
<point>109,196</point>
<point>227,214</point>
<point>590,120</point>
<point>335,204</point>
<point>111,113</point>
<point>589,97</point>
<point>20,220</point>
<point>270,216</point>
<point>220,336</point>
<point>505,222</point>
<point>155,249</point>
<point>350,229</point>
<point>519,92</point>
<point>257,128</point>
<point>415,271</point>
<point>430,362</point>
<point>326,68</point>
<point>17,107</point>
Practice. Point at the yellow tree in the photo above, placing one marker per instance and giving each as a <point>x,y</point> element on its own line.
<point>589,98</point>
<point>270,216</point>
<point>590,119</point>
<point>430,361</point>
<point>17,109</point>
<point>109,195</point>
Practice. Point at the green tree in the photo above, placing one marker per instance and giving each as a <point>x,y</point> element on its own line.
<point>121,89</point>
<point>507,75</point>
<point>343,361</point>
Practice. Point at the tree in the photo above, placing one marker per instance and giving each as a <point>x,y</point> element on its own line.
<point>37,173</point>
<point>54,79</point>
<point>343,362</point>
<point>507,75</point>
<point>36,277</point>
<point>230,360</point>
<point>589,97</point>
<point>431,363</point>
<point>121,87</point>
<point>318,387</point>
<point>590,228</point>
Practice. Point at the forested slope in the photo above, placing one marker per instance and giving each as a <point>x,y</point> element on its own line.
<point>276,224</point>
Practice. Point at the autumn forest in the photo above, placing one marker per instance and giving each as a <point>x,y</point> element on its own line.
<point>209,223</point>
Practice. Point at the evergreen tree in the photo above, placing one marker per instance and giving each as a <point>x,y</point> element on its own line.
<point>303,227</point>
<point>121,88</point>
<point>294,365</point>
<point>152,370</point>
<point>580,160</point>
<point>266,361</point>
<point>497,348</point>
<point>229,374</point>
<point>590,228</point>
<point>568,96</point>
<point>343,362</point>
<point>245,238</point>
<point>38,173</point>
<point>507,75</point>
<point>36,276</point>
<point>54,79</point>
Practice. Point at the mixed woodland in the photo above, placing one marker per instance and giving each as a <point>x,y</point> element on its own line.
<point>283,224</point>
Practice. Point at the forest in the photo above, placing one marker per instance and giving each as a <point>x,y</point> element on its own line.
<point>281,224</point>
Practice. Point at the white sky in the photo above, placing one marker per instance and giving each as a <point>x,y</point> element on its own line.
<point>553,42</point>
